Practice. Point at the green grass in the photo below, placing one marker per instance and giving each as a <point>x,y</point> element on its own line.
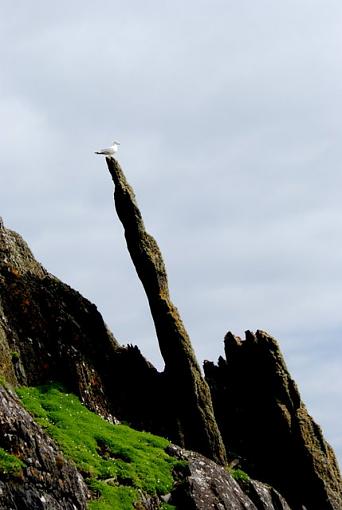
<point>9,464</point>
<point>3,381</point>
<point>239,475</point>
<point>115,460</point>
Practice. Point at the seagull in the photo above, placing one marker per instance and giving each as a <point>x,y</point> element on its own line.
<point>110,152</point>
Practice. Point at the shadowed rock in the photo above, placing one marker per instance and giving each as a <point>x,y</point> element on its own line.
<point>262,418</point>
<point>188,394</point>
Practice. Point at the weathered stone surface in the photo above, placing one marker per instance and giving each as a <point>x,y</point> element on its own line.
<point>188,394</point>
<point>263,496</point>
<point>48,481</point>
<point>204,485</point>
<point>267,427</point>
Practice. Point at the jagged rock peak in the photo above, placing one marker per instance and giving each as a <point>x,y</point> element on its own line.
<point>232,340</point>
<point>266,426</point>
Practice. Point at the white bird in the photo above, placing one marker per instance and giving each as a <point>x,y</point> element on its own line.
<point>110,152</point>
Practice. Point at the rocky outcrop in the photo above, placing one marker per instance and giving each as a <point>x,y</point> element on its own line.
<point>188,396</point>
<point>267,427</point>
<point>45,480</point>
<point>48,331</point>
<point>202,485</point>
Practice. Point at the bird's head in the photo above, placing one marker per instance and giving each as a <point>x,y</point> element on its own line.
<point>116,143</point>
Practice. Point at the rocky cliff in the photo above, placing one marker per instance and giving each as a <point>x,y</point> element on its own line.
<point>49,332</point>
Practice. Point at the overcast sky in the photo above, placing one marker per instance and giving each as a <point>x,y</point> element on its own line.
<point>229,117</point>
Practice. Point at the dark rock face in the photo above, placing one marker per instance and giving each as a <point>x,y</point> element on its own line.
<point>48,481</point>
<point>139,398</point>
<point>267,427</point>
<point>188,395</point>
<point>204,485</point>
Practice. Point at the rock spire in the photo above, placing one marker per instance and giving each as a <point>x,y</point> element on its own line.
<point>188,394</point>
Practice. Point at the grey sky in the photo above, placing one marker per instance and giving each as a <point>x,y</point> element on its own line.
<point>229,117</point>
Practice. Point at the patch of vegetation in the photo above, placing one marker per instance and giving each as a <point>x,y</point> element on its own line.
<point>239,475</point>
<point>115,460</point>
<point>110,496</point>
<point>9,464</point>
<point>15,356</point>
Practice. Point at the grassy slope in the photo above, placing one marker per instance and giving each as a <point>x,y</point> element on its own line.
<point>9,464</point>
<point>115,460</point>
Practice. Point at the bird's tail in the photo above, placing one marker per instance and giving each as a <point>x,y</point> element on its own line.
<point>97,152</point>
